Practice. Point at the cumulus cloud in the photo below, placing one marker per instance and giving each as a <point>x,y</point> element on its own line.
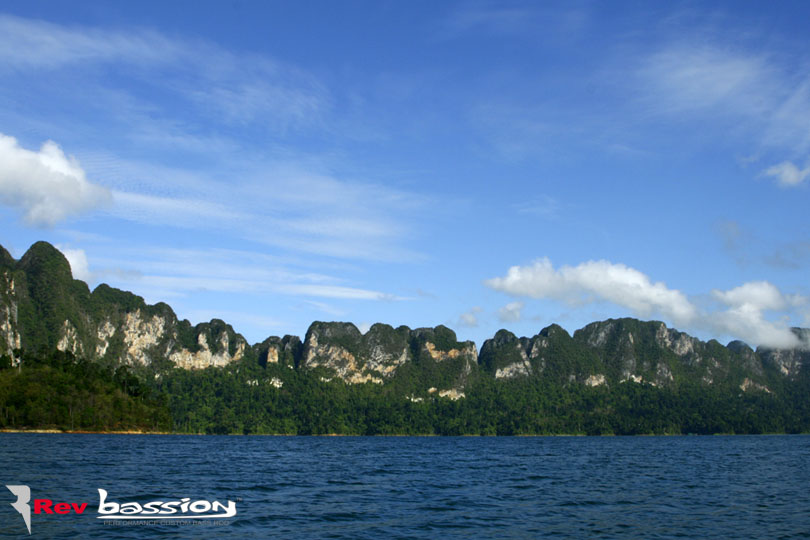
<point>594,281</point>
<point>787,174</point>
<point>745,315</point>
<point>757,294</point>
<point>511,312</point>
<point>47,185</point>
<point>745,312</point>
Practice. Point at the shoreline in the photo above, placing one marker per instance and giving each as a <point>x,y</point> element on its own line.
<point>139,432</point>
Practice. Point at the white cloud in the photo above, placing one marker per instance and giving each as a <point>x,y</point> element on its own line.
<point>594,281</point>
<point>78,263</point>
<point>744,314</point>
<point>787,174</point>
<point>756,294</point>
<point>470,318</point>
<point>46,185</point>
<point>511,312</point>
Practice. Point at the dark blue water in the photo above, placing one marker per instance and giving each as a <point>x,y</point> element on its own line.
<point>412,487</point>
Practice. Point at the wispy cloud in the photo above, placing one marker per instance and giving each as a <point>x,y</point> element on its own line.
<point>747,248</point>
<point>539,21</point>
<point>688,78</point>
<point>273,203</point>
<point>186,271</point>
<point>469,319</point>
<point>496,20</point>
<point>151,209</point>
<point>184,96</point>
<point>31,43</point>
<point>238,88</point>
<point>760,95</point>
<point>237,319</point>
<point>542,205</point>
<point>326,308</point>
<point>335,291</point>
<point>511,312</point>
<point>787,174</point>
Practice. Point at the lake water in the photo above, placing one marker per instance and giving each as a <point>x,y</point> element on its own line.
<point>419,487</point>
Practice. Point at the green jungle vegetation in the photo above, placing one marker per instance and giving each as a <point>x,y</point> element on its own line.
<point>59,391</point>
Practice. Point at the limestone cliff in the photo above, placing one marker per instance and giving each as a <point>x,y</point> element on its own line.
<point>505,356</point>
<point>788,362</point>
<point>10,338</point>
<point>628,350</point>
<point>43,308</point>
<point>431,356</point>
<point>284,351</point>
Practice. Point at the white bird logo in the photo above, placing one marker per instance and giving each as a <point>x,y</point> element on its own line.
<point>21,505</point>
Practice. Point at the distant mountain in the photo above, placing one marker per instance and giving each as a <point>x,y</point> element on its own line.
<point>43,308</point>
<point>621,350</point>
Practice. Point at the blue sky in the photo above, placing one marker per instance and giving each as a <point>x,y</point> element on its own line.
<point>479,165</point>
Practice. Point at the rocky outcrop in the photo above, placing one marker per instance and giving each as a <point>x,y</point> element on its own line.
<point>628,350</point>
<point>284,351</point>
<point>69,340</point>
<point>432,355</point>
<point>505,356</point>
<point>788,362</point>
<point>10,338</point>
<point>43,307</point>
<point>343,350</point>
<point>619,351</point>
<point>205,356</point>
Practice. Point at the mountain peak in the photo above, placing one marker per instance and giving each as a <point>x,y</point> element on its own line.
<point>6,260</point>
<point>44,257</point>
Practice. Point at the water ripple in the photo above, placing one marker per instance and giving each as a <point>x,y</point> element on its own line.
<point>411,487</point>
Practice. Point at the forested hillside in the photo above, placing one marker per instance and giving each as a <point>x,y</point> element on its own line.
<point>104,360</point>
